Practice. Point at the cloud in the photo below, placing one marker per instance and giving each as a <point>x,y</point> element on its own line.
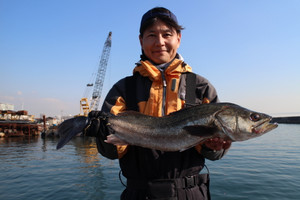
<point>36,105</point>
<point>6,99</point>
<point>51,100</point>
<point>54,106</point>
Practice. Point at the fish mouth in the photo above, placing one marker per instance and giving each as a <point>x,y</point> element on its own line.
<point>264,127</point>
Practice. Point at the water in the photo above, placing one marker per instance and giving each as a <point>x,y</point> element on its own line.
<point>34,169</point>
<point>267,167</point>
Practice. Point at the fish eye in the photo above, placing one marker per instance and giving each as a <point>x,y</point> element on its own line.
<point>255,117</point>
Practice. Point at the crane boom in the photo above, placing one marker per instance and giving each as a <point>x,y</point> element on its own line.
<point>101,73</point>
<point>94,104</point>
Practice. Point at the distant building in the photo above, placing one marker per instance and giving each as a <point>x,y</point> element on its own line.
<point>6,106</point>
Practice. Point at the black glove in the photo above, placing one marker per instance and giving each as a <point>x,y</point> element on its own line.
<point>95,127</point>
<point>98,128</point>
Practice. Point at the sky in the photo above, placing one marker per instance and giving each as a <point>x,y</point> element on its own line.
<point>49,50</point>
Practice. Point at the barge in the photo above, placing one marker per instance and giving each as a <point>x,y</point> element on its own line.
<point>18,123</point>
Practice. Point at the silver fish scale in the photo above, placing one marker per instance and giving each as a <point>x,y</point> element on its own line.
<point>186,128</point>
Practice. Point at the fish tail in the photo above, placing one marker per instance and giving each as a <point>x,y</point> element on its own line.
<point>70,128</point>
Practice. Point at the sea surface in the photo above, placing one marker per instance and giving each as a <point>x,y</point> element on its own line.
<point>267,167</point>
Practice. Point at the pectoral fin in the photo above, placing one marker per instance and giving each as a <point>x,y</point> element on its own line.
<point>201,131</point>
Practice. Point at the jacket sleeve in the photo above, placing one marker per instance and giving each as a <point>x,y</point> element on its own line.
<point>205,90</point>
<point>211,154</point>
<point>114,103</point>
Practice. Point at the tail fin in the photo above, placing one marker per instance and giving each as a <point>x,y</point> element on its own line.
<point>70,128</point>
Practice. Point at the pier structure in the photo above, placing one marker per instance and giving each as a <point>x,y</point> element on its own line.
<point>18,123</point>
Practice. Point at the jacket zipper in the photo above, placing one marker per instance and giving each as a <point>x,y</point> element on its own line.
<point>164,93</point>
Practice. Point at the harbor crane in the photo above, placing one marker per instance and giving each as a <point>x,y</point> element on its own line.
<point>85,105</point>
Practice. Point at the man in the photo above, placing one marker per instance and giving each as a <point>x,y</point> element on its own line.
<point>162,83</point>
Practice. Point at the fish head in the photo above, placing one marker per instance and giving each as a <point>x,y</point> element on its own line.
<point>241,124</point>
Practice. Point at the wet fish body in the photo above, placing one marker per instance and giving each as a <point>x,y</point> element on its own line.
<point>188,127</point>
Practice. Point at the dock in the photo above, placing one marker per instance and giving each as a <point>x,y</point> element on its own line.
<point>287,120</point>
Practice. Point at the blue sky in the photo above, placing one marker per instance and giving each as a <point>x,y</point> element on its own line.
<point>248,49</point>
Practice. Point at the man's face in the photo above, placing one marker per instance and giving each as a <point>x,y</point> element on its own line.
<point>160,43</point>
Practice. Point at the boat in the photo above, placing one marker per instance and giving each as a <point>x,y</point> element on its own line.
<point>18,123</point>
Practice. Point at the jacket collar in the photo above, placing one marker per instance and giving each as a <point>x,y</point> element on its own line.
<point>147,69</point>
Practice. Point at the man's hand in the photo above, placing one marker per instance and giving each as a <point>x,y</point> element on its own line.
<point>112,139</point>
<point>217,144</point>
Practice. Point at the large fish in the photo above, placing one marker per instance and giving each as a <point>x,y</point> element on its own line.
<point>179,130</point>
